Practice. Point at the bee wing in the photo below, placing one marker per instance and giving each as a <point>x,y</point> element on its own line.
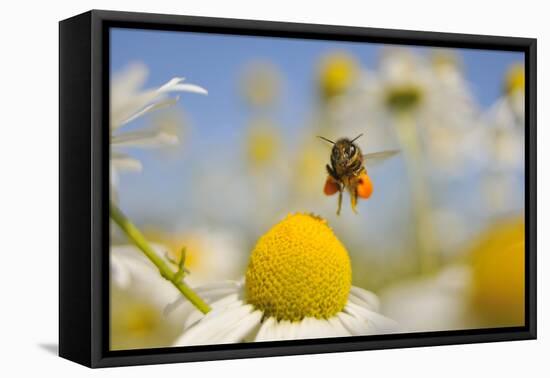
<point>375,158</point>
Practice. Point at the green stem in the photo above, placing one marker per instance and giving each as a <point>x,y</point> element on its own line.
<point>139,240</point>
<point>426,242</point>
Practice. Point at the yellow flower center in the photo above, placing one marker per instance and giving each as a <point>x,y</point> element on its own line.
<point>141,319</point>
<point>404,98</point>
<point>261,84</point>
<point>337,73</point>
<point>299,269</point>
<point>135,323</point>
<point>443,60</point>
<point>262,143</point>
<point>498,287</point>
<point>515,79</point>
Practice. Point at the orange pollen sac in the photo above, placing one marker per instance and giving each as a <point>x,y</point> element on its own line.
<point>364,186</point>
<point>331,186</point>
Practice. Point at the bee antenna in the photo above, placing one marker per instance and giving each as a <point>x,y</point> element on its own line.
<point>357,137</point>
<point>325,139</point>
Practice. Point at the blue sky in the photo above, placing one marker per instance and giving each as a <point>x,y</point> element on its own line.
<point>216,62</point>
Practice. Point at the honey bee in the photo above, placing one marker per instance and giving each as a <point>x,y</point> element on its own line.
<point>347,170</point>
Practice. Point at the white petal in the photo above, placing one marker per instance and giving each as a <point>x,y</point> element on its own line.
<point>130,79</point>
<point>193,317</point>
<point>264,334</point>
<point>190,88</point>
<point>125,106</point>
<point>278,330</point>
<point>378,322</point>
<point>290,331</point>
<point>338,327</point>
<point>241,330</point>
<point>214,325</point>
<point>283,330</point>
<point>370,299</point>
<point>305,329</point>
<point>222,285</point>
<point>124,162</point>
<point>127,103</point>
<point>310,328</point>
<point>120,274</point>
<point>144,138</point>
<point>175,85</point>
<point>225,303</point>
<point>219,285</point>
<point>160,104</point>
<point>169,84</point>
<point>216,294</point>
<point>211,293</point>
<point>359,302</point>
<point>355,326</point>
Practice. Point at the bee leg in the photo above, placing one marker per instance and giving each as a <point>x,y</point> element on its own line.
<point>339,203</point>
<point>353,198</point>
<point>330,171</point>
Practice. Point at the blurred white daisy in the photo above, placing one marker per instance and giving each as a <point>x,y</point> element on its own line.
<point>486,290</point>
<point>505,143</point>
<point>422,100</point>
<point>297,286</point>
<point>348,106</point>
<point>506,118</point>
<point>129,102</point>
<point>429,96</point>
<point>138,297</point>
<point>433,303</point>
<point>261,84</point>
<point>210,253</point>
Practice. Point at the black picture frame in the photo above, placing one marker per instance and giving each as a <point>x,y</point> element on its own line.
<point>84,187</point>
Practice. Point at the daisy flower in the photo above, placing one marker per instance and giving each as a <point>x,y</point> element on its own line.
<point>337,72</point>
<point>261,85</point>
<point>487,290</point>
<point>506,118</point>
<point>138,297</point>
<point>429,101</point>
<point>425,100</point>
<point>505,143</point>
<point>129,102</point>
<point>433,303</point>
<point>297,286</point>
<point>210,253</point>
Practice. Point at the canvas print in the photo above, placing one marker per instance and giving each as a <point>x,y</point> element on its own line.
<point>267,189</point>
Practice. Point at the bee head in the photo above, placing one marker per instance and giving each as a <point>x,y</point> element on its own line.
<point>344,149</point>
